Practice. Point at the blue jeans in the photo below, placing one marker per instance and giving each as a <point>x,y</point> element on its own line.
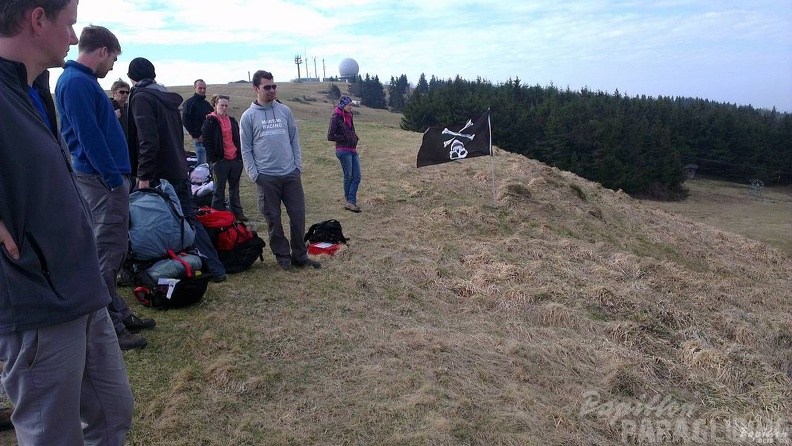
<point>200,152</point>
<point>350,164</point>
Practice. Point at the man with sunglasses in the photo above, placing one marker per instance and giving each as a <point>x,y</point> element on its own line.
<point>119,94</point>
<point>273,160</point>
<point>101,164</point>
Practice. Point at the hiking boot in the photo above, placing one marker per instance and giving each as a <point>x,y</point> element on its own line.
<point>135,324</point>
<point>124,278</point>
<point>218,279</point>
<point>285,264</point>
<point>5,419</point>
<point>128,340</point>
<point>306,262</point>
<point>242,217</point>
<point>351,207</point>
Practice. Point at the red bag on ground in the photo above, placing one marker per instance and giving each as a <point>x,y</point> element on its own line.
<point>223,229</point>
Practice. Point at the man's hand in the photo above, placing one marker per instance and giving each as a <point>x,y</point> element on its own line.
<point>8,242</point>
<point>143,184</point>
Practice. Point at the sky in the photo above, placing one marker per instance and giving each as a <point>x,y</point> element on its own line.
<point>733,51</point>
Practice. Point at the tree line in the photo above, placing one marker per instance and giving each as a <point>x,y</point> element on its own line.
<point>639,144</point>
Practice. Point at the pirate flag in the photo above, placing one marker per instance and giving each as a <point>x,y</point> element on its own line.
<point>441,145</point>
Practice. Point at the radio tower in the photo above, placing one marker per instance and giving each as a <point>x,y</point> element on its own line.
<point>298,61</point>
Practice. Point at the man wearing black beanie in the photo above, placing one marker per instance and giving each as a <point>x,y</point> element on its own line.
<point>155,130</point>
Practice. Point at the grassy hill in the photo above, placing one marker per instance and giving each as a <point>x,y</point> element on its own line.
<point>544,311</point>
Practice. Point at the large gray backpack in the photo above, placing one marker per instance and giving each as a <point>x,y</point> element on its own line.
<point>157,224</point>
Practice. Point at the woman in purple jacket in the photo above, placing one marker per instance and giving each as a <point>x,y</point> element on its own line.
<point>342,131</point>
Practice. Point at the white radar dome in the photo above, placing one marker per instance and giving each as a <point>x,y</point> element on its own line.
<point>348,68</point>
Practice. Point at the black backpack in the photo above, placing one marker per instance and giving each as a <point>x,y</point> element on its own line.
<point>244,254</point>
<point>327,231</point>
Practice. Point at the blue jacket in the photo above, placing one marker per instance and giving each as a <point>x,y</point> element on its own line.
<point>57,277</point>
<point>90,127</point>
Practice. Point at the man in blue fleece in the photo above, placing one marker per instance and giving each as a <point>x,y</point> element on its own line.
<point>101,163</point>
<point>273,160</point>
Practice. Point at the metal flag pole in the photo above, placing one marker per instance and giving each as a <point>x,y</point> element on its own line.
<point>492,160</point>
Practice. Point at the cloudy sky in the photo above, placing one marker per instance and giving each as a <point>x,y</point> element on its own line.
<point>735,51</point>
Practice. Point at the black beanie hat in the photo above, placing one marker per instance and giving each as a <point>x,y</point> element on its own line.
<point>141,68</point>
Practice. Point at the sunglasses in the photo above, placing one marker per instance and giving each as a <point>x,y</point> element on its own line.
<point>269,87</point>
<point>123,92</point>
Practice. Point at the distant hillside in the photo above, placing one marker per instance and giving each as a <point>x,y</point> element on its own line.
<point>546,311</point>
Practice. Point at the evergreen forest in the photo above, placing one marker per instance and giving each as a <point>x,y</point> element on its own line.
<point>642,145</point>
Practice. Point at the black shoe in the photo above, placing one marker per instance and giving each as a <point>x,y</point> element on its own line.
<point>241,217</point>
<point>128,340</point>
<point>5,419</point>
<point>218,279</point>
<point>306,262</point>
<point>285,264</point>
<point>135,324</point>
<point>124,278</point>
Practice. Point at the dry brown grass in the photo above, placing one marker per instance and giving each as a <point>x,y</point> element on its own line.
<point>458,317</point>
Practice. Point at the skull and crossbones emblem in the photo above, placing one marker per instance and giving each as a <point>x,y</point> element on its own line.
<point>458,150</point>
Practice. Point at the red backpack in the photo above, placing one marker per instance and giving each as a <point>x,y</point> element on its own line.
<point>225,232</point>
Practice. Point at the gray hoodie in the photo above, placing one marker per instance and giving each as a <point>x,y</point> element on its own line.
<point>270,141</point>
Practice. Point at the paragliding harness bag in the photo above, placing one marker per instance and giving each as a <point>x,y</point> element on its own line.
<point>172,282</point>
<point>165,272</point>
<point>237,246</point>
<point>328,231</point>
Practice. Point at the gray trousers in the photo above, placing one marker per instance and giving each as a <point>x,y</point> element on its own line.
<point>64,375</point>
<point>110,223</point>
<point>287,189</point>
<point>227,171</point>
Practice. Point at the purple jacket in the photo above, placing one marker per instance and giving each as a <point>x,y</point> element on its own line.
<point>342,133</point>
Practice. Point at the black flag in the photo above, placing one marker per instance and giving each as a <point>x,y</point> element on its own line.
<point>441,145</point>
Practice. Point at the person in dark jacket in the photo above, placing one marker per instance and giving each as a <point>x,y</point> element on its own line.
<point>53,300</point>
<point>220,134</point>
<point>194,112</point>
<point>155,128</point>
<point>120,99</point>
<point>342,131</point>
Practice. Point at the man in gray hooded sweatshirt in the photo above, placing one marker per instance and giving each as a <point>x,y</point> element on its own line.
<point>273,160</point>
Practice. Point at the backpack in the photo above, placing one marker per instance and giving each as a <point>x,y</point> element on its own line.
<point>327,231</point>
<point>172,282</point>
<point>156,223</point>
<point>223,228</point>
<point>201,185</point>
<point>237,246</point>
<point>244,255</point>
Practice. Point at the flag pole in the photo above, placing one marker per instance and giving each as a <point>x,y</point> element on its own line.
<point>492,160</point>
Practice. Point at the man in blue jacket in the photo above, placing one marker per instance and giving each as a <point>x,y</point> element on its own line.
<point>63,370</point>
<point>101,163</point>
